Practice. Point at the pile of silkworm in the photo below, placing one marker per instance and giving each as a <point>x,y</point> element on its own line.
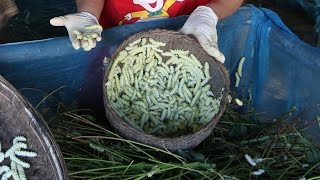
<point>16,169</point>
<point>161,93</point>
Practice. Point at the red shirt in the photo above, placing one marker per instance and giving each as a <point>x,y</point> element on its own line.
<point>118,12</point>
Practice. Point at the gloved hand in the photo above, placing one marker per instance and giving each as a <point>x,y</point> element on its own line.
<point>83,28</point>
<point>202,24</point>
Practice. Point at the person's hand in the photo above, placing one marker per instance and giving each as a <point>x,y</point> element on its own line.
<point>202,24</point>
<point>83,28</point>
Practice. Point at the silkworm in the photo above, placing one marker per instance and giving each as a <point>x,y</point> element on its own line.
<point>26,153</point>
<point>183,110</point>
<point>169,61</point>
<point>14,171</point>
<point>140,103</point>
<point>167,54</point>
<point>21,173</point>
<point>174,90</point>
<point>259,172</point>
<point>180,89</point>
<point>124,102</point>
<point>76,32</point>
<point>136,68</point>
<point>187,91</point>
<point>194,58</point>
<point>136,83</point>
<point>164,114</point>
<point>240,66</point>
<point>18,161</point>
<point>206,88</point>
<point>210,93</point>
<point>169,83</point>
<point>205,81</point>
<point>153,72</point>
<point>94,27</point>
<point>166,67</point>
<point>19,138</point>
<point>144,118</point>
<point>140,75</point>
<point>237,79</point>
<point>136,51</point>
<point>155,92</point>
<point>179,52</point>
<point>135,42</point>
<point>206,70</point>
<point>164,106</point>
<point>149,66</point>
<point>239,102</point>
<point>1,157</point>
<point>7,175</point>
<point>129,48</point>
<point>15,147</point>
<point>157,50</point>
<point>178,67</point>
<point>144,41</point>
<point>130,73</point>
<point>196,98</point>
<point>188,99</point>
<point>154,100</point>
<point>188,60</point>
<point>4,169</point>
<point>163,71</point>
<point>156,42</point>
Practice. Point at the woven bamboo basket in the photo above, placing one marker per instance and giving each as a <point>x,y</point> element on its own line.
<point>17,117</point>
<point>173,40</point>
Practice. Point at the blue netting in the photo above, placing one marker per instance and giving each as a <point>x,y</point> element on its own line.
<point>280,70</point>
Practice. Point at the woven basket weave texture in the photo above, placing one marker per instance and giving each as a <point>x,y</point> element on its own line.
<point>17,117</point>
<point>173,40</point>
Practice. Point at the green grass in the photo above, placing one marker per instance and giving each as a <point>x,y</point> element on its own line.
<point>93,151</point>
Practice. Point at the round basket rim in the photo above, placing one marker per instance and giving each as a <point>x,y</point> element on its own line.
<point>208,127</point>
<point>40,126</point>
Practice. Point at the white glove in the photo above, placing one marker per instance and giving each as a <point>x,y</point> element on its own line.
<point>83,28</point>
<point>202,24</point>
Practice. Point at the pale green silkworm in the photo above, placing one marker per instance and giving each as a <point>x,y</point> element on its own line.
<point>206,70</point>
<point>237,80</point>
<point>157,42</point>
<point>21,173</point>
<point>95,26</point>
<point>239,70</point>
<point>18,161</point>
<point>26,153</point>
<point>239,102</point>
<point>180,89</point>
<point>196,97</point>
<point>155,88</point>
<point>135,42</point>
<point>144,41</point>
<point>144,118</point>
<point>187,91</point>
